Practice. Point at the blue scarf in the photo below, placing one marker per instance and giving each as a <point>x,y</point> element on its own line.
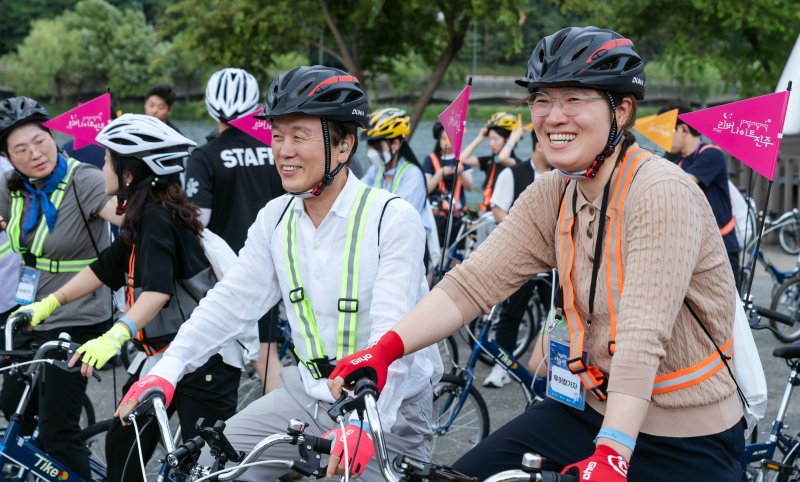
<point>43,196</point>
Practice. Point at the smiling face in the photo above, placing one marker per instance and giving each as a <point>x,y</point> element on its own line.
<point>32,150</point>
<point>571,142</point>
<point>299,151</point>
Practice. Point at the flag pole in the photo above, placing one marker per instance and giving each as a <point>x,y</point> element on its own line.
<point>449,225</point>
<point>749,284</point>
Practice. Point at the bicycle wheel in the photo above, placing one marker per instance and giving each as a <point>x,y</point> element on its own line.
<point>94,438</point>
<point>127,353</point>
<point>787,301</point>
<point>448,351</point>
<point>526,334</point>
<point>789,237</point>
<point>470,426</point>
<point>791,472</point>
<point>87,415</point>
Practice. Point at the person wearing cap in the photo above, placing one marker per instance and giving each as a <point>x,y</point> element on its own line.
<point>640,382</point>
<point>346,259</point>
<point>497,130</point>
<point>55,212</point>
<point>161,264</point>
<point>231,178</point>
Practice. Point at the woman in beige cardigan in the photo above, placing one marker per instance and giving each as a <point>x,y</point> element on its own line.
<point>637,372</point>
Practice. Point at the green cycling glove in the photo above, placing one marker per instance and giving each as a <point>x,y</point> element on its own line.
<point>40,310</point>
<point>97,352</point>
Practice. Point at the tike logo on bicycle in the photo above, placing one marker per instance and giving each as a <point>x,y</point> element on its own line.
<point>44,465</point>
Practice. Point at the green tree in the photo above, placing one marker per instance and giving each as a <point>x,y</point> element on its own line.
<point>747,42</point>
<point>364,37</point>
<point>18,17</point>
<point>44,61</point>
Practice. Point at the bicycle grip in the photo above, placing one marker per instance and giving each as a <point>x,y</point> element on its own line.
<point>556,477</point>
<point>774,315</point>
<point>188,448</point>
<point>318,444</point>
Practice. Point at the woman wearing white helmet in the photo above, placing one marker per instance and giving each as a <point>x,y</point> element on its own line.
<point>161,264</point>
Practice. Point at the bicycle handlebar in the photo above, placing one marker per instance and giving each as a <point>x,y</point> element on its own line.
<point>774,315</point>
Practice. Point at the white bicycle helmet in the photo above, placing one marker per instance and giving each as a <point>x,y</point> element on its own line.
<point>230,94</point>
<point>147,138</point>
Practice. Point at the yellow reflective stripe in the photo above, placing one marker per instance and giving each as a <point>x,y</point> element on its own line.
<point>59,266</point>
<point>5,249</point>
<point>396,180</point>
<point>56,197</point>
<point>302,306</point>
<point>13,229</point>
<point>348,290</point>
<point>378,178</point>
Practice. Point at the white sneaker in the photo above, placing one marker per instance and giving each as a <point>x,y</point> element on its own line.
<point>497,378</point>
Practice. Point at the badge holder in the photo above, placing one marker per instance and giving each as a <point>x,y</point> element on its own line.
<point>562,385</point>
<point>27,286</point>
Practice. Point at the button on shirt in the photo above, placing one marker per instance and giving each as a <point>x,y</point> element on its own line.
<point>391,282</point>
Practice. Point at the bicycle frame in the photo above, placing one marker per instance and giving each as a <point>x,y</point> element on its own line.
<point>765,451</point>
<point>778,276</point>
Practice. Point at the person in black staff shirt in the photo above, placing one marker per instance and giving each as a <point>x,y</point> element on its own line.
<point>707,166</point>
<point>497,130</point>
<point>231,178</point>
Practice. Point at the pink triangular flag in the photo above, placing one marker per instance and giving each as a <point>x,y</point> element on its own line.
<point>454,119</point>
<point>750,130</point>
<point>261,129</point>
<point>85,121</point>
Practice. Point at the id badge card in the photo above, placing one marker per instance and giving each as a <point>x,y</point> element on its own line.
<point>27,286</point>
<point>563,385</point>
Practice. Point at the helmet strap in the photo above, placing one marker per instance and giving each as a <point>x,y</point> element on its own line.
<point>122,191</point>
<point>614,138</point>
<point>327,179</point>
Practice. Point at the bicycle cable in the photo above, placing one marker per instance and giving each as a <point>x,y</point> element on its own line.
<point>139,448</point>
<point>346,456</point>
<point>31,362</point>
<point>244,466</point>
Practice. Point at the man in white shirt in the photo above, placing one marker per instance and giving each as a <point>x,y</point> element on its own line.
<point>347,261</point>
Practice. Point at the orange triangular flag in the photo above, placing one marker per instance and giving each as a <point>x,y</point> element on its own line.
<point>659,128</point>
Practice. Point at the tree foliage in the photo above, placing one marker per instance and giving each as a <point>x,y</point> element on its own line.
<point>747,42</point>
<point>91,48</point>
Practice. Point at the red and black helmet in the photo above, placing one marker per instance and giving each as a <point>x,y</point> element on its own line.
<point>586,57</point>
<point>15,111</point>
<point>318,91</point>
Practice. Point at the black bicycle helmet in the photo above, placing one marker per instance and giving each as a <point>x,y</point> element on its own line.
<point>586,57</point>
<point>19,110</point>
<point>318,91</point>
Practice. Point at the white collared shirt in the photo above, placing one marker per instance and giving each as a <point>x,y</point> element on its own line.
<point>391,281</point>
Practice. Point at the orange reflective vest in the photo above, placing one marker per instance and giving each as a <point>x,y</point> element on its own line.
<point>437,166</point>
<point>487,193</point>
<point>591,377</point>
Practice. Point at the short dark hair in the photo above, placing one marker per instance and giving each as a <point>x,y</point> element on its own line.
<point>340,130</point>
<point>682,109</point>
<point>164,91</point>
<point>534,139</point>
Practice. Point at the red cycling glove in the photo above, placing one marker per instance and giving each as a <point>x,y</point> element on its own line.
<point>373,362</point>
<point>353,436</point>
<point>605,465</point>
<point>144,387</point>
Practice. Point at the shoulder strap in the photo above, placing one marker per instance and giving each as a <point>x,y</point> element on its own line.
<point>380,221</point>
<point>85,221</point>
<point>286,208</point>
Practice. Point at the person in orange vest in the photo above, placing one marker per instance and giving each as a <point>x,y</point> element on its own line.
<point>440,168</point>
<point>640,383</point>
<point>497,130</point>
<point>706,165</point>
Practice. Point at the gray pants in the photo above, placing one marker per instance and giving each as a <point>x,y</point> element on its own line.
<point>411,434</point>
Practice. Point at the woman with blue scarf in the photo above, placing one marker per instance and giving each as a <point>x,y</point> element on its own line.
<point>55,211</point>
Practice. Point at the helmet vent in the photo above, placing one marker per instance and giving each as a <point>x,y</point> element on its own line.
<point>578,53</point>
<point>632,64</point>
<point>557,45</point>
<point>332,96</point>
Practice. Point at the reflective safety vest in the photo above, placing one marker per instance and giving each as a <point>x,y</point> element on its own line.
<point>33,256</point>
<point>437,166</point>
<point>5,249</point>
<point>487,193</point>
<point>401,169</point>
<point>591,376</point>
<point>316,360</point>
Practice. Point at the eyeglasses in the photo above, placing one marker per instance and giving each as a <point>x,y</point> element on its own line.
<point>571,104</point>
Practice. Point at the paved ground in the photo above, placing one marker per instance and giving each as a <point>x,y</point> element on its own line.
<point>508,402</point>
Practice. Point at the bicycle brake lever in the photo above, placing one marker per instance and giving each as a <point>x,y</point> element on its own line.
<point>76,369</point>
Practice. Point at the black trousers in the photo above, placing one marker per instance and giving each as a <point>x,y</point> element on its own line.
<point>209,392</point>
<point>564,435</point>
<point>268,325</point>
<point>57,400</point>
<point>514,309</point>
